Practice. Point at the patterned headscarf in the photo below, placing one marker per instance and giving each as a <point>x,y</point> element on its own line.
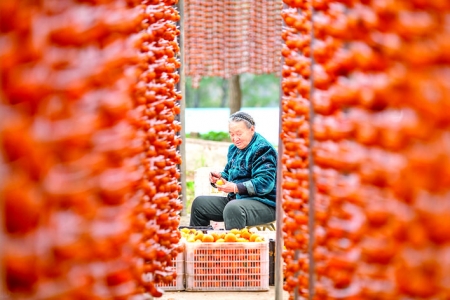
<point>240,115</point>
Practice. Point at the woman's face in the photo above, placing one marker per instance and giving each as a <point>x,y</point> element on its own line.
<point>240,135</point>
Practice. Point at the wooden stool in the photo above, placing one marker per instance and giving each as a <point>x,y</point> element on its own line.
<point>269,226</point>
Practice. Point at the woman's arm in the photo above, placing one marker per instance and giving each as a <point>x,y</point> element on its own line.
<point>263,173</point>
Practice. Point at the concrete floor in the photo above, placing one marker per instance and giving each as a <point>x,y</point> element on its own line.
<point>183,295</point>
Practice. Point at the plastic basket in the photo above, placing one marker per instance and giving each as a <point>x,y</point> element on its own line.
<point>227,266</point>
<point>270,237</point>
<point>177,283</point>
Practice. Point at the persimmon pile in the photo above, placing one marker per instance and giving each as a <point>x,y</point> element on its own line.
<point>225,38</point>
<point>88,158</point>
<point>191,235</point>
<point>378,85</point>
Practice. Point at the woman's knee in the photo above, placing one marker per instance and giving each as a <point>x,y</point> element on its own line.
<point>199,202</point>
<point>234,216</point>
<point>232,209</point>
<point>198,212</point>
<point>245,213</point>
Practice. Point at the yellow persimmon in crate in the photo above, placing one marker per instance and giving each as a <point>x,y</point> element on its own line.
<point>227,266</point>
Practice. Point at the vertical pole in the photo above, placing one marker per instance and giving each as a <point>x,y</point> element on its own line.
<point>278,272</point>
<point>311,184</point>
<point>182,88</point>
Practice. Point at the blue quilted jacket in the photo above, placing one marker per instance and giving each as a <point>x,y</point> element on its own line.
<point>254,170</point>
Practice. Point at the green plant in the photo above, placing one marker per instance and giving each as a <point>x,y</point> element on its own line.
<point>219,136</point>
<point>190,194</point>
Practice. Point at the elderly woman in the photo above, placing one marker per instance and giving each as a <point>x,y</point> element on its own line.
<point>249,178</point>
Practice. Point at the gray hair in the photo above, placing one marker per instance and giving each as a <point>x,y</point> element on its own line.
<point>242,116</point>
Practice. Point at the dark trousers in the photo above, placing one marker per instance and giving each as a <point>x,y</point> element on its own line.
<point>235,213</point>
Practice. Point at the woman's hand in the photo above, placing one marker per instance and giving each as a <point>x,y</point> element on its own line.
<point>227,187</point>
<point>214,176</point>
